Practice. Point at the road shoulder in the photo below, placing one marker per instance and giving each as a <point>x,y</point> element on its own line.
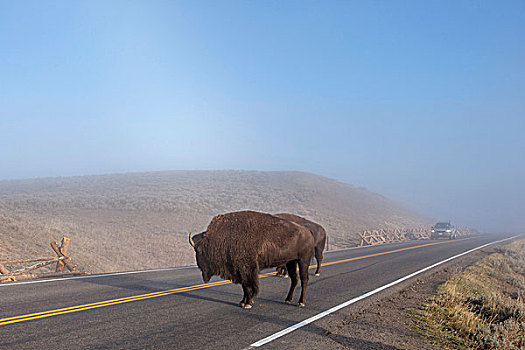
<point>387,320</point>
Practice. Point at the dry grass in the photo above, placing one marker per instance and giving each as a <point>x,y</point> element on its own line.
<point>482,307</point>
<point>141,220</point>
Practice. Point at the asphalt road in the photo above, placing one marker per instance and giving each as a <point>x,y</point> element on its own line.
<point>172,309</point>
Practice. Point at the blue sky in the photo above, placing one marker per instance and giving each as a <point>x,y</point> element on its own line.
<point>421,101</point>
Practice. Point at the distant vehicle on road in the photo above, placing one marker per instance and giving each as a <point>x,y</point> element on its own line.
<point>443,230</point>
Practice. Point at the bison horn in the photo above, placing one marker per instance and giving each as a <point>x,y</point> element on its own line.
<point>191,241</point>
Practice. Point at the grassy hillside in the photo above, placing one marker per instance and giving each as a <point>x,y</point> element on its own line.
<point>141,220</point>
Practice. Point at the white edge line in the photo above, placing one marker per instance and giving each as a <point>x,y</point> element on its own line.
<point>363,296</point>
<point>98,275</point>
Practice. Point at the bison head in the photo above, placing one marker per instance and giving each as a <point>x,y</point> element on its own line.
<point>202,261</point>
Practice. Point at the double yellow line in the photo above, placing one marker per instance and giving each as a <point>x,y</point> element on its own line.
<point>83,307</point>
<point>71,309</point>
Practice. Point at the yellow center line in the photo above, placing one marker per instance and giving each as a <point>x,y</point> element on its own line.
<point>384,253</point>
<point>77,308</point>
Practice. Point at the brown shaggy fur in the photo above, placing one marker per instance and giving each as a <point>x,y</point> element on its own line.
<point>318,232</point>
<point>236,246</point>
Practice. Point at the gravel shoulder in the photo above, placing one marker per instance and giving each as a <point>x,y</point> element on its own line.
<point>387,320</point>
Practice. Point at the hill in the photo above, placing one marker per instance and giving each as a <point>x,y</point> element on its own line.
<point>141,220</point>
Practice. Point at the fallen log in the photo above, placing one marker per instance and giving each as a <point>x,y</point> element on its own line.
<point>36,266</point>
<point>3,270</point>
<point>29,276</point>
<point>25,260</point>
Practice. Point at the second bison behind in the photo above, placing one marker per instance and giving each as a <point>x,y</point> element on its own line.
<point>237,246</point>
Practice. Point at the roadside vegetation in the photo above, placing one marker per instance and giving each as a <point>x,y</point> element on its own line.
<point>482,307</point>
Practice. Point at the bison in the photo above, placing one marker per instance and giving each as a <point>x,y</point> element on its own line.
<point>319,238</point>
<point>236,246</point>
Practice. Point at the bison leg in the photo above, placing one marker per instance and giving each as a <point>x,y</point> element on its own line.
<point>291,266</point>
<point>250,289</point>
<point>253,288</point>
<point>281,271</point>
<point>303,271</point>
<point>246,291</point>
<point>319,258</point>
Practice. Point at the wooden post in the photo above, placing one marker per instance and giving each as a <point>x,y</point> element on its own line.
<point>67,260</point>
<point>64,247</point>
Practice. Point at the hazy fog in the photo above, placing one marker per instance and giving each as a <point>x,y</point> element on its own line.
<point>422,102</point>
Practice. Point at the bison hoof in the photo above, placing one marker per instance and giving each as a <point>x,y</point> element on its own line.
<point>318,274</point>
<point>288,302</point>
<point>301,305</point>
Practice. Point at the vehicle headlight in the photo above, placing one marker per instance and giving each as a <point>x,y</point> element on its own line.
<point>433,231</point>
<point>449,230</point>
